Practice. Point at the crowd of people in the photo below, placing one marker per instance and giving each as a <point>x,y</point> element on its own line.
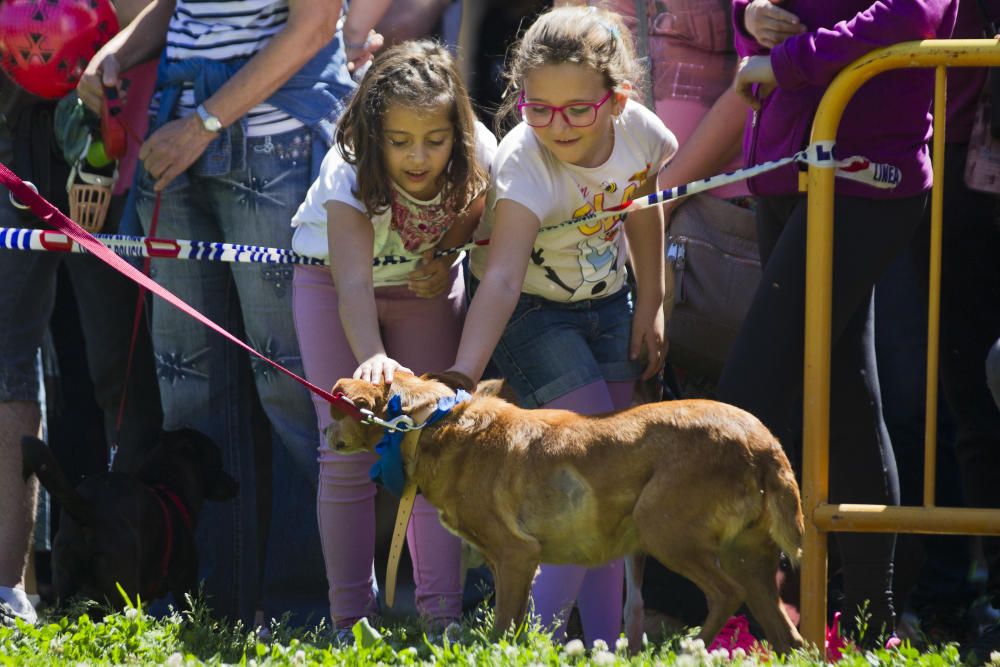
<point>336,130</point>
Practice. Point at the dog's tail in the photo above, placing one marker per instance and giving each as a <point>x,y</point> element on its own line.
<point>37,459</point>
<point>783,507</point>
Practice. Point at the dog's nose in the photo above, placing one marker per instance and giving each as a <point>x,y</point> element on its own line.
<point>340,444</point>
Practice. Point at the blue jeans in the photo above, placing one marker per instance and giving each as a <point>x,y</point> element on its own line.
<point>205,380</point>
<point>550,348</point>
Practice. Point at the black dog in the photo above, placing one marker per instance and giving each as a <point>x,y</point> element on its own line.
<point>132,530</point>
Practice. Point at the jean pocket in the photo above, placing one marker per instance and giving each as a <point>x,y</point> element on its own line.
<point>526,306</point>
<point>145,183</point>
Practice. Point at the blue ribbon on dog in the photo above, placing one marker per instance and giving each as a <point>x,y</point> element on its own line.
<point>388,470</point>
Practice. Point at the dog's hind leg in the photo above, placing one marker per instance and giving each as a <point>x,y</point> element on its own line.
<point>687,548</point>
<point>634,607</point>
<point>752,558</point>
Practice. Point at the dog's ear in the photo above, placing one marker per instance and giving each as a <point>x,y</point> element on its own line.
<point>364,395</point>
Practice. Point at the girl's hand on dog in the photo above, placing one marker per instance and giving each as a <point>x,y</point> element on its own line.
<point>648,336</point>
<point>379,368</point>
<point>431,278</point>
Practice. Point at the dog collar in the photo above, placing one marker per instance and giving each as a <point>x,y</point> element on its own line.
<point>389,470</point>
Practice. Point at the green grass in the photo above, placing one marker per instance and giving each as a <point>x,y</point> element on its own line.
<point>194,638</point>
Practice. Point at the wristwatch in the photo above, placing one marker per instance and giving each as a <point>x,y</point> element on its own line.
<point>210,122</point>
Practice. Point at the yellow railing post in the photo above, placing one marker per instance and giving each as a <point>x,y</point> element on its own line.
<point>821,517</point>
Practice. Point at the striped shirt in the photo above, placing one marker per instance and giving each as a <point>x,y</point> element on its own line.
<point>228,30</point>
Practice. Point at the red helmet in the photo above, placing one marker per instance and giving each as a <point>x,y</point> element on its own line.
<point>46,44</point>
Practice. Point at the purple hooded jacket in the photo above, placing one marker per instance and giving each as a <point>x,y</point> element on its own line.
<point>888,120</point>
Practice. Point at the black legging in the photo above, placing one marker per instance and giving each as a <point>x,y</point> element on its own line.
<point>764,372</point>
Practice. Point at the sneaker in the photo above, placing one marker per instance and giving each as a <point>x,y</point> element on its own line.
<point>835,643</point>
<point>984,647</point>
<point>14,604</point>
<point>735,634</point>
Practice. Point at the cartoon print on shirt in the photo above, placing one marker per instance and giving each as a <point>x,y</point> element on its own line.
<point>598,250</point>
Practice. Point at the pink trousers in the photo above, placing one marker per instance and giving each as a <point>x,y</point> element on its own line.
<point>596,591</point>
<point>423,335</point>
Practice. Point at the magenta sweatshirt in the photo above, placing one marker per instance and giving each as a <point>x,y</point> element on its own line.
<point>888,120</point>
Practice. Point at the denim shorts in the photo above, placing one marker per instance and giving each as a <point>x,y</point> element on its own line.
<point>550,348</point>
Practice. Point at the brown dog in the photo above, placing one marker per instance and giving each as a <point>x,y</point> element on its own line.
<point>701,486</point>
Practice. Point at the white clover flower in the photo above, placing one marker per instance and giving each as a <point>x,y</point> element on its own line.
<point>131,613</point>
<point>600,645</point>
<point>719,655</point>
<point>574,648</point>
<point>176,659</point>
<point>510,651</point>
<point>687,660</point>
<point>299,658</point>
<point>602,658</point>
<point>738,654</point>
<point>692,645</point>
<point>621,645</point>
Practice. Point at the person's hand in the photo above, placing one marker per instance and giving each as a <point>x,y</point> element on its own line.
<point>360,53</point>
<point>379,368</point>
<point>648,334</point>
<point>754,70</point>
<point>431,278</point>
<point>103,71</point>
<point>173,148</point>
<point>769,24</point>
<point>454,379</point>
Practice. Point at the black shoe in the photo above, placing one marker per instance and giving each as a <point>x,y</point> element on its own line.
<point>980,650</point>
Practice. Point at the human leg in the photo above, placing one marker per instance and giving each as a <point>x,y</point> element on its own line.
<point>200,388</point>
<point>29,293</point>
<point>598,591</point>
<point>254,205</point>
<point>345,499</point>
<point>936,606</point>
<point>423,335</point>
<point>763,374</point>
<point>572,356</point>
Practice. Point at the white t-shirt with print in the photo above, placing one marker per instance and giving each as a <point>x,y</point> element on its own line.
<point>336,182</point>
<point>585,261</point>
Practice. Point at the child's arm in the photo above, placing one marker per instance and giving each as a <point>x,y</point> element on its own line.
<point>509,251</point>
<point>350,237</point>
<point>644,231</point>
<point>432,277</point>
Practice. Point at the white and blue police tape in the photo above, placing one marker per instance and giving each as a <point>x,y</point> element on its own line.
<point>860,169</point>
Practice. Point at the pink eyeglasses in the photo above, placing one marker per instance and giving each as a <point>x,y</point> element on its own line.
<point>580,114</point>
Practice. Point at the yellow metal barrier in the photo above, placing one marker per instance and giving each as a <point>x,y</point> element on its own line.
<point>822,517</point>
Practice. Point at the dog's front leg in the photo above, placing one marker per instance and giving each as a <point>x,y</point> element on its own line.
<point>634,607</point>
<point>513,579</point>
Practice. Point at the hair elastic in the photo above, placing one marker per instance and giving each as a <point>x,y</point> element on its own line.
<point>610,27</point>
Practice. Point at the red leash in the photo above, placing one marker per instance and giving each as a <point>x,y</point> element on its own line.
<point>140,301</point>
<point>57,219</point>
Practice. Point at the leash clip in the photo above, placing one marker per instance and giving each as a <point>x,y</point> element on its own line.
<point>15,203</point>
<point>402,423</point>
